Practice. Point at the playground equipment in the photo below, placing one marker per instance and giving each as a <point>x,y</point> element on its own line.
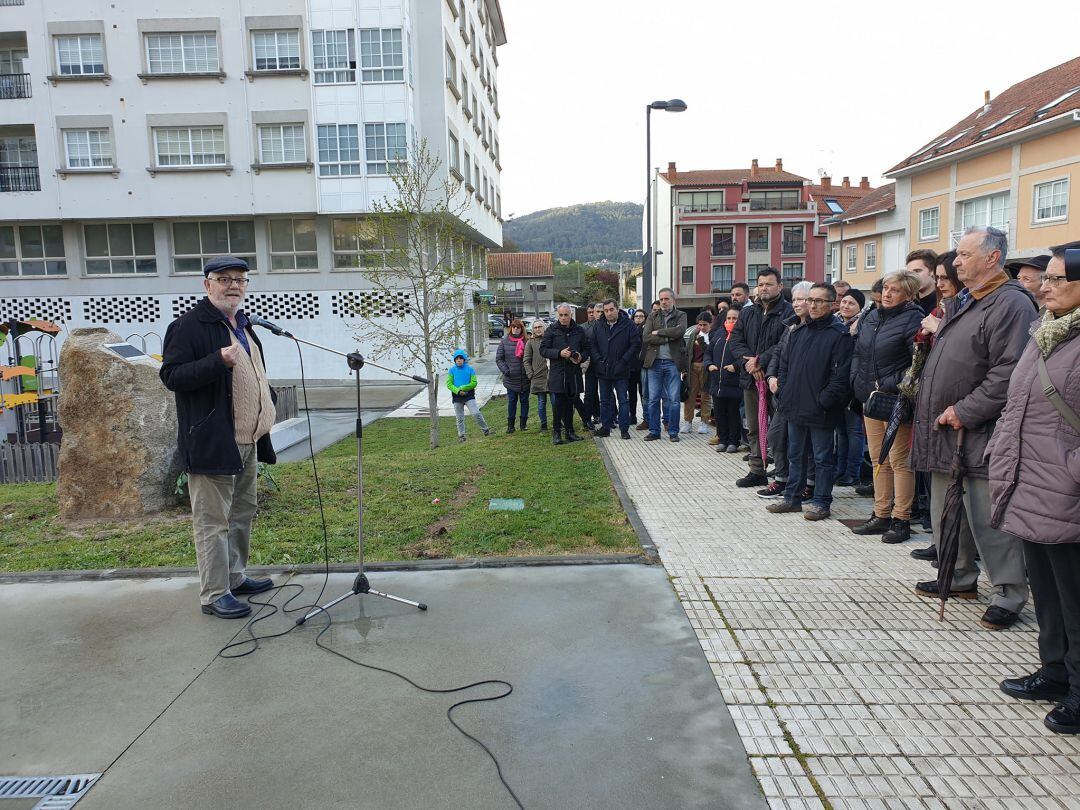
<point>29,382</point>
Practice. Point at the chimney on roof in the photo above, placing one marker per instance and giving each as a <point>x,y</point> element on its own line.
<point>846,183</point>
<point>864,183</point>
<point>779,164</point>
<point>671,169</point>
<point>986,97</point>
<point>753,168</point>
<point>826,182</point>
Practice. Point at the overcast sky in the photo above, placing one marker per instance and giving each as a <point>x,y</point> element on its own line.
<point>850,86</point>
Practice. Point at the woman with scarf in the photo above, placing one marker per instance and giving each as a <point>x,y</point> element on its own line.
<point>510,358</point>
<point>724,386</point>
<point>1035,489</point>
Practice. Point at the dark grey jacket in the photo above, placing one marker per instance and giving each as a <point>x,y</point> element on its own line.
<point>975,351</point>
<point>536,366</point>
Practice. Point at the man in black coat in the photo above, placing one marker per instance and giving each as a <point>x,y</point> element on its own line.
<point>213,362</point>
<point>814,391</point>
<point>616,342</point>
<point>753,341</point>
<point>564,344</point>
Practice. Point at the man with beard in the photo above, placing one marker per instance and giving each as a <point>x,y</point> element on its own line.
<point>564,344</point>
<point>616,343</point>
<point>753,341</point>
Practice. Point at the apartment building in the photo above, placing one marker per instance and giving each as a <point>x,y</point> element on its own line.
<point>138,139</point>
<point>868,238</point>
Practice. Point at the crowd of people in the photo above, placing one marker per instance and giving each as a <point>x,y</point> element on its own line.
<point>955,355</point>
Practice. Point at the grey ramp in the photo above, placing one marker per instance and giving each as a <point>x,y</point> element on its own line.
<point>614,704</point>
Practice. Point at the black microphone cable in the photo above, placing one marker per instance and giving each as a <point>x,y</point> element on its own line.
<point>253,640</point>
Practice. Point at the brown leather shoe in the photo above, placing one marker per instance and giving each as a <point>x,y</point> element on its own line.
<point>642,425</point>
<point>715,440</point>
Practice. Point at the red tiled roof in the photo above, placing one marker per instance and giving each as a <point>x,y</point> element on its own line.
<point>729,177</point>
<point>847,197</point>
<point>519,265</point>
<point>879,200</point>
<point>1019,106</point>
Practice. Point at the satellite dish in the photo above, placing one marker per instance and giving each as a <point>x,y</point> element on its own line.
<point>822,172</point>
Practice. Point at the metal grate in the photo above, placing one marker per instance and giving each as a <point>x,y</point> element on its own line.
<point>289,306</point>
<point>55,792</point>
<point>184,303</point>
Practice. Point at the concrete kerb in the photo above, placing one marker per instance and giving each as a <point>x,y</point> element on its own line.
<point>647,545</point>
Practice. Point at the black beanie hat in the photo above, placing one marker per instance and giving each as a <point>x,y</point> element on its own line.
<point>858,295</point>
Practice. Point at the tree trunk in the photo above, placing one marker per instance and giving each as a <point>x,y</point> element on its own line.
<point>433,407</point>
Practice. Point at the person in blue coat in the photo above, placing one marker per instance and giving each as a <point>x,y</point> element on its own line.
<point>461,380</point>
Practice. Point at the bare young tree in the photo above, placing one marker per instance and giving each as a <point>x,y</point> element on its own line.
<point>419,261</point>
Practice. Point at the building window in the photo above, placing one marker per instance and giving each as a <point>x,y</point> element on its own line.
<point>195,242</point>
<point>794,239</point>
<point>1051,201</point>
<point>929,224</point>
<point>870,256</point>
<point>190,146</point>
<point>723,241</point>
<point>119,248</point>
<point>466,164</point>
<point>752,271</point>
<point>32,250</point>
<point>694,201</point>
<point>80,55</point>
<point>358,244</point>
<point>757,237</point>
<point>983,211</point>
<point>384,144</point>
<point>276,50</point>
<point>282,143</point>
<point>382,58</point>
<point>852,258</point>
<point>775,200</point>
<point>455,165</point>
<point>339,150</point>
<point>723,276</point>
<point>182,53</point>
<point>451,66</point>
<point>687,237</point>
<point>465,94</point>
<point>88,148</point>
<point>686,277</point>
<point>293,244</point>
<point>333,56</point>
<point>791,273</point>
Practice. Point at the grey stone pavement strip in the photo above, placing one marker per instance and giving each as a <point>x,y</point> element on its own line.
<point>842,682</point>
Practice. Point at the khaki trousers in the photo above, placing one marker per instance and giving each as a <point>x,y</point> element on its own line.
<point>222,507</point>
<point>894,480</point>
<point>695,382</point>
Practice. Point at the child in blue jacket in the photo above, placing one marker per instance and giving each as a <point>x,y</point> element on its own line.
<point>461,380</point>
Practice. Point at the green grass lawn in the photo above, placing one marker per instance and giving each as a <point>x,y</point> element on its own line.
<point>570,506</point>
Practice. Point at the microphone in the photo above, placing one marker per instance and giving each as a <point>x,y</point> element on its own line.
<point>255,320</point>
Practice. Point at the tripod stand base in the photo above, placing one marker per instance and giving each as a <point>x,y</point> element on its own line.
<point>360,586</point>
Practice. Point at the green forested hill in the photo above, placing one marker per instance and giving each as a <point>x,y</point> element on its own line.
<point>588,232</point>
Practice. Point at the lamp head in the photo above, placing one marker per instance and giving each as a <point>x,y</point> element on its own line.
<point>674,105</point>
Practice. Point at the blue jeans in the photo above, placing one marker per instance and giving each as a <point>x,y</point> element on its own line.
<point>513,398</point>
<point>541,407</point>
<point>849,446</point>
<point>821,441</point>
<point>664,381</point>
<point>609,389</point>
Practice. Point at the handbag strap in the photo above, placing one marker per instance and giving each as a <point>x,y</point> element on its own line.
<point>1055,398</point>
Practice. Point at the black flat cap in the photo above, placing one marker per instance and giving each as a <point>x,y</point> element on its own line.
<point>1038,262</point>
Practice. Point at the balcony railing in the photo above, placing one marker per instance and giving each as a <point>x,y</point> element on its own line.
<point>19,178</point>
<point>14,85</point>
<point>757,244</point>
<point>723,248</point>
<point>756,206</point>
<point>792,246</point>
<point>707,209</point>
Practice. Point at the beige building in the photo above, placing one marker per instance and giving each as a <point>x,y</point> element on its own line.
<point>868,239</point>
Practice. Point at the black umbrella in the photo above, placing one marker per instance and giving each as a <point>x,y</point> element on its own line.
<point>904,409</point>
<point>952,519</point>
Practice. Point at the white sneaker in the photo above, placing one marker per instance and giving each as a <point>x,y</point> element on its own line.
<point>686,426</point>
<point>703,428</point>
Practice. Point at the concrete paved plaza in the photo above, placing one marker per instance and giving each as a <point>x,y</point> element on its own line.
<point>613,703</point>
<point>842,682</point>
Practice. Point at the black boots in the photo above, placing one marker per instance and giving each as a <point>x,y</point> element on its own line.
<point>510,425</point>
<point>522,424</point>
<point>573,437</point>
<point>556,438</point>
<point>875,525</point>
<point>899,532</point>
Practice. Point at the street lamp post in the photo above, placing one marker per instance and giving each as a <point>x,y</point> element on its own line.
<point>673,105</point>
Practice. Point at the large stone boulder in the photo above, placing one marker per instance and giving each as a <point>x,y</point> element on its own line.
<point>118,452</point>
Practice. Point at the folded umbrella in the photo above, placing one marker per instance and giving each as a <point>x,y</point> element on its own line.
<point>763,418</point>
<point>950,524</point>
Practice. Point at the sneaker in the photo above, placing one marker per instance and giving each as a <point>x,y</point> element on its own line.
<point>783,507</point>
<point>652,437</point>
<point>733,448</point>
<point>816,512</point>
<point>751,480</point>
<point>773,490</point>
<point>642,425</point>
<point>899,532</point>
<point>487,432</point>
<point>686,427</point>
<point>715,440</point>
<point>703,428</point>
<point>461,439</point>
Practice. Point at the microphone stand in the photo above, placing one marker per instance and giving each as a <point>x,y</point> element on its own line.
<point>356,362</point>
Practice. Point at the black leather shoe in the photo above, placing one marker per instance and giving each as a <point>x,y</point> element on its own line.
<point>652,437</point>
<point>997,618</point>
<point>899,532</point>
<point>603,433</point>
<point>250,585</point>
<point>1035,687</point>
<point>625,434</point>
<point>227,607</point>
<point>875,525</point>
<point>751,480</point>
<point>865,490</point>
<point>928,553</point>
<point>556,438</point>
<point>1065,719</point>
<point>573,437</point>
<point>930,590</point>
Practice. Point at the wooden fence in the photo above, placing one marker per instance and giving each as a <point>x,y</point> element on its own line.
<point>286,403</point>
<point>20,463</point>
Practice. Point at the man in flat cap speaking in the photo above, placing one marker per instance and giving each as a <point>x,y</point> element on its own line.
<point>213,362</point>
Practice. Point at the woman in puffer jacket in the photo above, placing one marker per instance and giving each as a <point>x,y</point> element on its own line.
<point>510,358</point>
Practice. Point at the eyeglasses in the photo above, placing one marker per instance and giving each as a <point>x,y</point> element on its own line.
<point>1054,281</point>
<point>231,281</point>
<point>818,302</point>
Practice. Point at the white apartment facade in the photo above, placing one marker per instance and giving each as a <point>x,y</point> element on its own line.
<point>138,139</point>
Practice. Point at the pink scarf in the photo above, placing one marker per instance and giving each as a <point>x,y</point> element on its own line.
<point>520,343</point>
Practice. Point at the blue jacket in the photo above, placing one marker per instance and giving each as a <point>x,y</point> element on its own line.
<point>461,381</point>
<point>614,347</point>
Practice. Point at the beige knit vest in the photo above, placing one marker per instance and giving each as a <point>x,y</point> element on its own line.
<point>253,409</point>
